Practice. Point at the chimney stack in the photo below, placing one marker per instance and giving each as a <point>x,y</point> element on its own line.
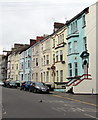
<point>58,26</point>
<point>32,41</point>
<point>39,38</point>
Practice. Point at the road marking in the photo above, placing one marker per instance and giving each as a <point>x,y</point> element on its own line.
<point>3,111</point>
<point>91,116</point>
<point>76,100</point>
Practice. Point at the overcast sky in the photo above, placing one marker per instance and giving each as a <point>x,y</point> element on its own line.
<point>21,20</point>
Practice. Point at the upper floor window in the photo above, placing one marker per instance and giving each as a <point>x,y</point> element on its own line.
<point>53,58</point>
<point>16,66</point>
<point>85,43</point>
<point>74,27</point>
<point>69,47</point>
<point>12,66</point>
<point>44,59</point>
<point>53,42</point>
<point>28,63</point>
<point>56,56</point>
<point>61,55</point>
<point>47,59</point>
<point>61,38</point>
<point>42,47</point>
<point>36,61</point>
<point>83,21</point>
<point>75,46</point>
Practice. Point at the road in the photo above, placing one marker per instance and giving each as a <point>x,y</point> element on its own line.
<point>24,104</point>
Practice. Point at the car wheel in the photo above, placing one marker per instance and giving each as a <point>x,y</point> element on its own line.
<point>34,90</point>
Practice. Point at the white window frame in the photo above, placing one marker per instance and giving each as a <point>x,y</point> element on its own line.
<point>76,68</point>
<point>75,46</point>
<point>61,75</point>
<point>69,48</point>
<point>57,59</point>
<point>70,69</point>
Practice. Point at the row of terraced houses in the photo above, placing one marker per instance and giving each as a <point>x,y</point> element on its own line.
<point>65,59</point>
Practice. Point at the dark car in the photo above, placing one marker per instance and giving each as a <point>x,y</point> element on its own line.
<point>12,84</point>
<point>38,87</point>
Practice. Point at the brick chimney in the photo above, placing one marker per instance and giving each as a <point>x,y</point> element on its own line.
<point>32,41</point>
<point>58,26</point>
<point>16,45</point>
<point>39,38</point>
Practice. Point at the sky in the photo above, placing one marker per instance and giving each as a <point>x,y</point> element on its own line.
<point>22,20</point>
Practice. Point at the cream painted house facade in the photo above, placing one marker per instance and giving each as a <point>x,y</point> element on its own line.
<point>59,57</point>
<point>10,68</point>
<point>49,59</point>
<point>13,66</point>
<point>46,61</point>
<point>36,62</point>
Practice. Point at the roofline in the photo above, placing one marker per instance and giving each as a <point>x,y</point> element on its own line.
<point>78,15</point>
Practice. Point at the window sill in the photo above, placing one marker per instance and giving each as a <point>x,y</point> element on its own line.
<point>76,34</point>
<point>63,43</point>
<point>84,26</point>
<point>72,54</point>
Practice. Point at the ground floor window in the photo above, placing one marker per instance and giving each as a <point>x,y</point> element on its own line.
<point>36,77</point>
<point>16,77</point>
<point>57,76</point>
<point>61,75</point>
<point>44,76</point>
<point>70,69</point>
<point>76,68</point>
<point>47,76</point>
<point>21,76</point>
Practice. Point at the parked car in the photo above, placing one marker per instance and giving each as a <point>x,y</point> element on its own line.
<point>22,86</point>
<point>12,84</point>
<point>1,83</point>
<point>38,87</point>
<point>25,85</point>
<point>6,84</point>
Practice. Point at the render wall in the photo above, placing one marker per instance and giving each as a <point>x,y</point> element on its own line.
<point>90,33</point>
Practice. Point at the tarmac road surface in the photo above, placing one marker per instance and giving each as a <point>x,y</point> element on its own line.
<point>24,104</point>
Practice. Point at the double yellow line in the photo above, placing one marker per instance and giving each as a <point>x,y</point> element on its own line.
<point>76,100</point>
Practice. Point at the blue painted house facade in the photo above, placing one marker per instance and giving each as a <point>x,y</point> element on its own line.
<point>78,54</point>
<point>25,64</point>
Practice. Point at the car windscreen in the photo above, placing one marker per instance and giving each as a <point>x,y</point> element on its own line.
<point>39,84</point>
<point>12,82</point>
